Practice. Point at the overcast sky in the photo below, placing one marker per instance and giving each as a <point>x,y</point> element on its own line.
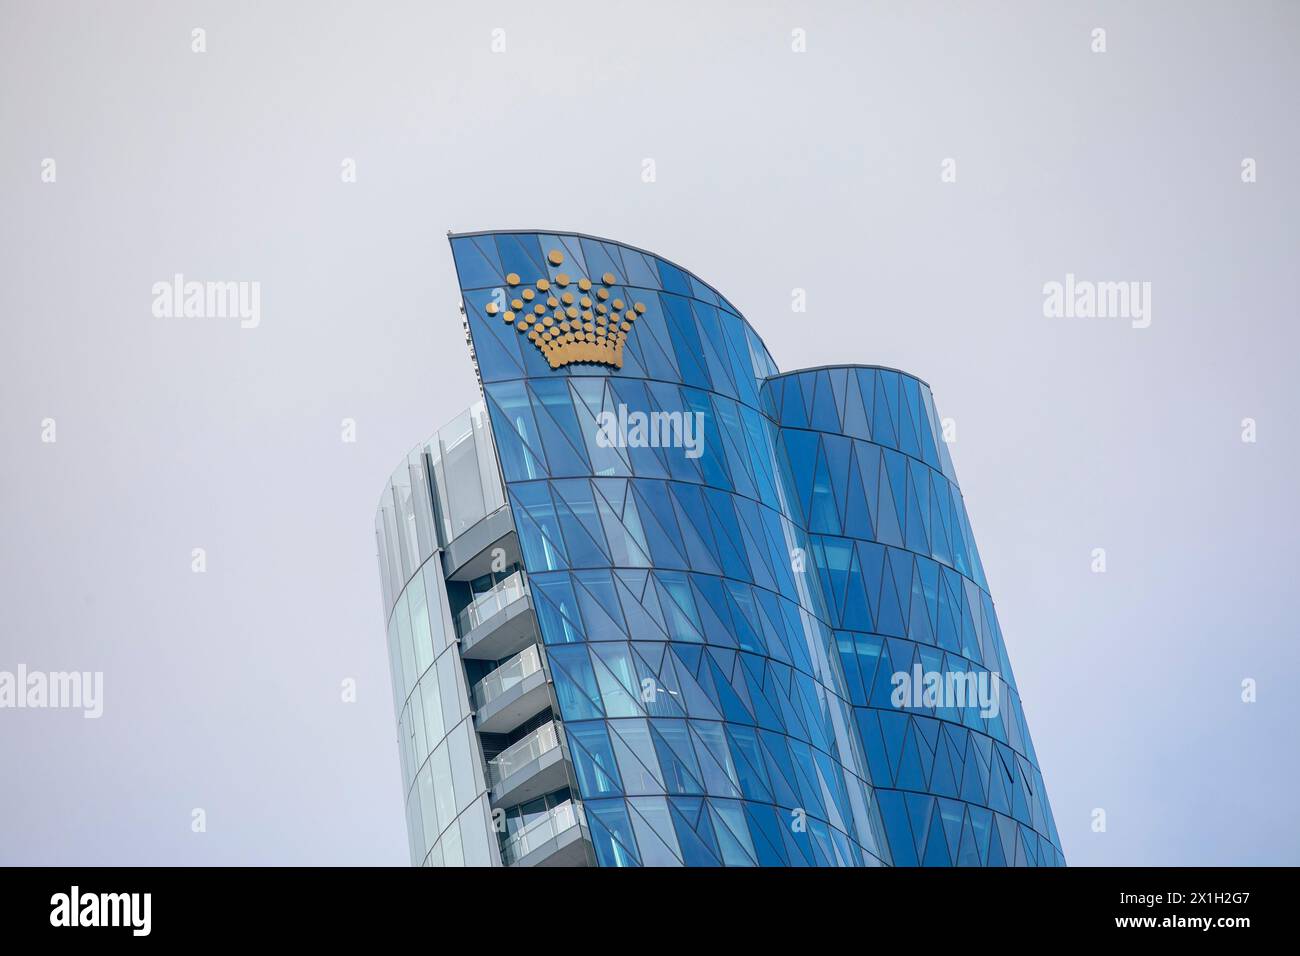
<point>775,170</point>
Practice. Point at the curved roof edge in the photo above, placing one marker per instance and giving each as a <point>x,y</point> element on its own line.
<point>846,365</point>
<point>418,446</point>
<point>585,235</point>
<point>626,245</point>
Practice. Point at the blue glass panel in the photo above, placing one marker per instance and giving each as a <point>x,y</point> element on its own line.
<point>824,414</point>
<point>575,681</point>
<point>611,833</point>
<point>477,263</point>
<point>673,279</point>
<point>651,344</point>
<point>497,344</point>
<point>694,832</point>
<point>515,432</point>
<point>640,270</point>
<point>558,429</point>
<point>677,761</point>
<point>522,255</point>
<point>768,833</point>
<point>593,758</point>
<point>602,616</point>
<point>601,258</point>
<point>584,538</point>
<point>747,758</point>
<point>557,608</point>
<point>539,532</point>
<point>637,761</point>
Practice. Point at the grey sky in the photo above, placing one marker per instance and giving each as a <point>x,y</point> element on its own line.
<point>775,170</point>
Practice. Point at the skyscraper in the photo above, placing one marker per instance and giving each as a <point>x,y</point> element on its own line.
<point>653,602</point>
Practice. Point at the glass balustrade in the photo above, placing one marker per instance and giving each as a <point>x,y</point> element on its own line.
<point>523,752</point>
<point>524,664</point>
<point>491,602</point>
<point>551,824</point>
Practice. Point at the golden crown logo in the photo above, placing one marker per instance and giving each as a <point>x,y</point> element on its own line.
<point>566,327</point>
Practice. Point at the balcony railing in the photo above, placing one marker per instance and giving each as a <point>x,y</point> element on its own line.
<point>519,754</point>
<point>525,663</point>
<point>508,591</point>
<point>551,824</point>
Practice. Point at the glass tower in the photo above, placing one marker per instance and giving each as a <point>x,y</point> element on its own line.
<point>652,602</point>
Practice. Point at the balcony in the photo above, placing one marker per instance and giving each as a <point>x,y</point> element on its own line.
<point>558,838</point>
<point>489,603</point>
<point>470,552</point>
<point>499,622</point>
<point>528,768</point>
<point>512,693</point>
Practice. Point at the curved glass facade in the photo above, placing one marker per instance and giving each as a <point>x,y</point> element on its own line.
<point>707,718</point>
<point>763,636</point>
<point>871,480</point>
<point>446,486</point>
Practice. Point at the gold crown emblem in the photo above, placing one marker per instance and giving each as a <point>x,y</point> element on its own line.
<point>570,326</point>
